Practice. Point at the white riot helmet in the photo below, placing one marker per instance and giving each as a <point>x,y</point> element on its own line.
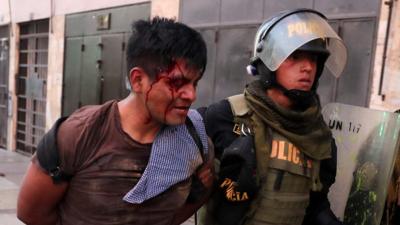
<point>301,29</point>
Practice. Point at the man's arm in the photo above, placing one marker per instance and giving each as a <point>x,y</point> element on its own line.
<point>206,176</point>
<point>39,197</point>
<point>188,209</point>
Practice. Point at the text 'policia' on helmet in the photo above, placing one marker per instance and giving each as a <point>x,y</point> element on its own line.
<point>300,29</point>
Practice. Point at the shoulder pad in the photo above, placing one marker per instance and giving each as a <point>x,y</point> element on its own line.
<point>238,105</point>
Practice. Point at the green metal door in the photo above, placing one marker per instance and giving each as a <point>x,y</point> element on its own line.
<point>90,74</point>
<point>82,73</point>
<point>111,67</point>
<point>95,69</point>
<point>71,87</point>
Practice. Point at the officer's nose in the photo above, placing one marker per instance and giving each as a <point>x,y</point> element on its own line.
<point>308,63</point>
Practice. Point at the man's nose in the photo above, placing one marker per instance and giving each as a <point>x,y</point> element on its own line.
<point>189,92</point>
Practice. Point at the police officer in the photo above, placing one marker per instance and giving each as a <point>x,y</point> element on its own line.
<point>277,155</point>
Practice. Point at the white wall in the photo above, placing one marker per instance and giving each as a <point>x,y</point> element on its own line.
<point>165,8</point>
<point>12,121</point>
<point>23,10</point>
<point>4,12</point>
<point>73,6</point>
<point>55,70</point>
<point>27,10</point>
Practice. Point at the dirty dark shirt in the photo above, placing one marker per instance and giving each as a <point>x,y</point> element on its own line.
<point>106,163</point>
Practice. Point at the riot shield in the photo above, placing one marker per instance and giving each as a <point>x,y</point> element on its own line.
<point>367,142</point>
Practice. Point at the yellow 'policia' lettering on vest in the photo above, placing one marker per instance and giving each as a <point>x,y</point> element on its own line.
<point>283,150</point>
<point>230,192</point>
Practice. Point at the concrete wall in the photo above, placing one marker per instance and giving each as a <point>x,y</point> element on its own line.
<point>4,12</point>
<point>13,70</point>
<point>390,100</point>
<point>55,69</point>
<point>165,8</point>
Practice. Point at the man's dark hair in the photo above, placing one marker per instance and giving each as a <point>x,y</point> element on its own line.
<point>156,45</point>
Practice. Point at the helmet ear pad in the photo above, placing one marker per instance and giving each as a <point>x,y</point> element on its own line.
<point>266,75</point>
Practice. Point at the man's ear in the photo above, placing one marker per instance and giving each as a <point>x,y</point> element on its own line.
<point>136,79</point>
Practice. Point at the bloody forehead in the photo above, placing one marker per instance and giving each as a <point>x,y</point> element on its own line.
<point>170,68</point>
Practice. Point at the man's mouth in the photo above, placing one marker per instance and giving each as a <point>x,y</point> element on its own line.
<point>182,107</point>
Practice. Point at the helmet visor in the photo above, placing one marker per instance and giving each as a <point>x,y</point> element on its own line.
<point>294,31</point>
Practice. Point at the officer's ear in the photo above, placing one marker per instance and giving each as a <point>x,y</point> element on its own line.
<point>137,78</point>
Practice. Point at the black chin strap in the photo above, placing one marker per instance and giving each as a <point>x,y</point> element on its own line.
<point>302,99</point>
<point>299,95</point>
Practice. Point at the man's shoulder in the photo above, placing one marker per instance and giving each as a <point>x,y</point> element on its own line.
<point>78,136</point>
<point>86,117</point>
<point>91,112</point>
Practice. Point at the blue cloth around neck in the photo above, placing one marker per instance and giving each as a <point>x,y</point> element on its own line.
<point>174,157</point>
